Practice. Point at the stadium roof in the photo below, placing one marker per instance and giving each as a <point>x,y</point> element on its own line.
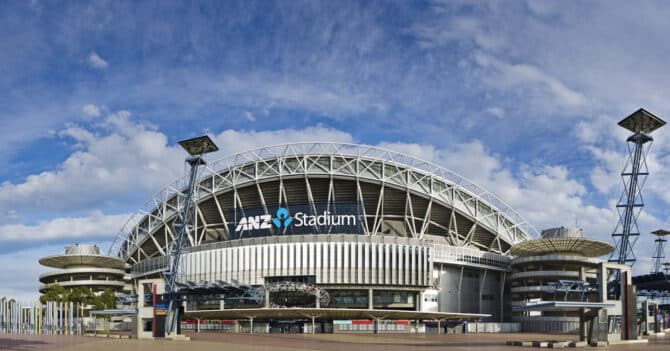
<point>499,224</point>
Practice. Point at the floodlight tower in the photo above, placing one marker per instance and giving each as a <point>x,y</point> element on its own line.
<point>634,174</point>
<point>660,246</point>
<point>196,147</point>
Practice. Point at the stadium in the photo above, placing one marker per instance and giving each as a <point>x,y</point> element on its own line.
<point>337,231</point>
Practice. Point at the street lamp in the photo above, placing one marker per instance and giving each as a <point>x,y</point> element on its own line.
<point>196,147</point>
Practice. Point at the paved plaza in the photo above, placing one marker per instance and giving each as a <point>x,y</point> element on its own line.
<point>321,342</point>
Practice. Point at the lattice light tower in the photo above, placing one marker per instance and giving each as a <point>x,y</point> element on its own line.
<point>660,246</point>
<point>666,267</point>
<point>196,147</point>
<point>634,174</point>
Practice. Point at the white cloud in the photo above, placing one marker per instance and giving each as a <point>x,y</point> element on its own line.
<point>458,28</point>
<point>542,8</point>
<point>119,157</point>
<point>249,116</point>
<point>265,91</point>
<point>234,141</point>
<point>94,60</point>
<point>91,110</point>
<point>504,76</point>
<point>94,227</point>
<point>496,111</point>
<point>20,272</point>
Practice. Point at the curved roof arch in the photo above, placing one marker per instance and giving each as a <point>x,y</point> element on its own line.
<point>353,161</point>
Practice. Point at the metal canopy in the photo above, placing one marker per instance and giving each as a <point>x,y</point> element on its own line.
<point>654,281</point>
<point>64,261</point>
<point>115,312</point>
<point>574,246</point>
<point>561,306</point>
<point>642,121</point>
<point>328,313</point>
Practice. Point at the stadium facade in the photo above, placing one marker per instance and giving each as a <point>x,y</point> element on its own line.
<point>329,227</point>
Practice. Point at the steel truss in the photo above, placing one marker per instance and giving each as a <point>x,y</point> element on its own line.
<point>434,198</point>
<point>631,202</point>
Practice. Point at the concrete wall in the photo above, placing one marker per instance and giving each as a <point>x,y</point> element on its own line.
<point>470,290</point>
<point>553,325</point>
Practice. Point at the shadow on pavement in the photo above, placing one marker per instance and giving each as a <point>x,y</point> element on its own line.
<point>20,345</point>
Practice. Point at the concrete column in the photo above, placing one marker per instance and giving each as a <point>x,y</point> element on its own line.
<point>460,283</point>
<point>313,324</point>
<point>267,298</point>
<point>419,300</point>
<point>602,278</point>
<point>197,325</point>
<point>251,325</point>
<point>583,325</point>
<point>502,296</point>
<point>318,300</point>
<point>439,326</point>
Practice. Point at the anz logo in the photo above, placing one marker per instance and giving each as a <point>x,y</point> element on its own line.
<point>265,221</point>
<point>282,218</point>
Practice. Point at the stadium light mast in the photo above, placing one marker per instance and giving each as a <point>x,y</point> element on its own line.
<point>660,246</point>
<point>634,174</point>
<point>196,147</point>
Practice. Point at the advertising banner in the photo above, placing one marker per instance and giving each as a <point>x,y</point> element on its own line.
<point>296,219</point>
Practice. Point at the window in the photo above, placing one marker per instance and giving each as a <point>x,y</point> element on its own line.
<point>148,294</point>
<point>148,324</point>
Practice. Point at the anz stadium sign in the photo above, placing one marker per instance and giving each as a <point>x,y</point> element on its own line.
<point>306,218</point>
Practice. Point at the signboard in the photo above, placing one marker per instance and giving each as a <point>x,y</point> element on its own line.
<point>362,322</point>
<point>296,219</point>
<point>161,309</point>
<point>341,322</point>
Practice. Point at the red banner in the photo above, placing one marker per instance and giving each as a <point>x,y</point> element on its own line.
<point>362,321</point>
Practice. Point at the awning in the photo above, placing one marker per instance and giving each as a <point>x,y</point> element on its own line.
<point>329,313</point>
<point>115,312</point>
<point>560,306</point>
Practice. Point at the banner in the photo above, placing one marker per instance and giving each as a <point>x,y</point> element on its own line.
<point>296,219</point>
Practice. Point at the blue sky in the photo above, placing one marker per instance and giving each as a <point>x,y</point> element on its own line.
<point>522,97</point>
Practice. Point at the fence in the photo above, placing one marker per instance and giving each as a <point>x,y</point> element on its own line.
<point>489,327</point>
<point>63,318</point>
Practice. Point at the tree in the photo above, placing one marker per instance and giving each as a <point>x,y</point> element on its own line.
<point>54,292</point>
<point>81,295</point>
<point>106,300</point>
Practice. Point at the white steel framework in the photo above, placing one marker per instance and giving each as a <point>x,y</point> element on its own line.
<point>400,196</point>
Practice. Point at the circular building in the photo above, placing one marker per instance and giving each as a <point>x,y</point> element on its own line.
<point>556,277</point>
<point>84,266</point>
<point>370,228</point>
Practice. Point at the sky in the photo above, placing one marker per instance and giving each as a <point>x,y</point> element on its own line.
<point>521,97</point>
